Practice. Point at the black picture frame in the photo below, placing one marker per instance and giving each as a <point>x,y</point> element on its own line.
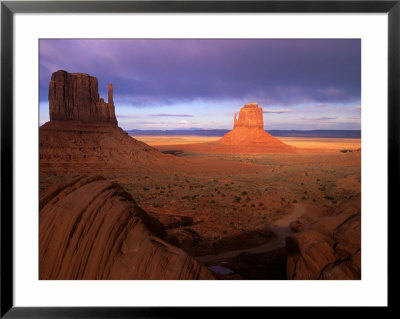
<point>9,8</point>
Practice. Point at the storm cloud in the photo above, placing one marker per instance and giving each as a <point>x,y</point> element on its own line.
<point>147,72</point>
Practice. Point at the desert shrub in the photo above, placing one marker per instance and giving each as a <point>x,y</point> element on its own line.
<point>213,202</point>
<point>145,189</point>
<point>248,199</point>
<point>260,204</point>
<point>252,205</point>
<point>294,201</point>
<point>282,199</point>
<point>244,193</point>
<point>303,198</point>
<point>237,199</point>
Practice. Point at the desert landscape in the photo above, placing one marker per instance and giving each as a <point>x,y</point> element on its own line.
<point>245,205</point>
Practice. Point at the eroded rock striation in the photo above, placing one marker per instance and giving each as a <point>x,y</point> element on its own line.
<point>75,97</point>
<point>90,228</point>
<point>328,248</point>
<point>81,148</point>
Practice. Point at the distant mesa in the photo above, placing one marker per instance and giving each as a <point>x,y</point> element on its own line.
<point>248,134</point>
<point>75,97</point>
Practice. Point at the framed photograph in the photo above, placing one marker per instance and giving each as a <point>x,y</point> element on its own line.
<point>173,158</point>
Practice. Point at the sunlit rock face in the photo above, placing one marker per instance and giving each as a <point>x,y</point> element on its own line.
<point>248,134</point>
<point>75,96</point>
<point>250,116</point>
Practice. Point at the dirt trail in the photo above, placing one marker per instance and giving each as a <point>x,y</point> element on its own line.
<point>281,229</point>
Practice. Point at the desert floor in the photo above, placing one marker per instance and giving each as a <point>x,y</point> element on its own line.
<point>233,211</point>
<point>301,142</point>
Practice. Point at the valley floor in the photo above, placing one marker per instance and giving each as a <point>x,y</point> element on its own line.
<point>233,212</point>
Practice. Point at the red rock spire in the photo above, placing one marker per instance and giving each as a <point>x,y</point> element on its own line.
<point>110,94</point>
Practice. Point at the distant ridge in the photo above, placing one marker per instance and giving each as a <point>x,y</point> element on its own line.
<point>199,132</point>
<point>278,133</point>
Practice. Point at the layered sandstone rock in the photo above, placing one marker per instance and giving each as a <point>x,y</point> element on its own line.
<point>91,228</point>
<point>328,248</point>
<point>81,148</point>
<point>75,97</point>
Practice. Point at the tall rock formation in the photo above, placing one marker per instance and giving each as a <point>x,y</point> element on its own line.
<point>90,228</point>
<point>250,116</point>
<point>82,134</point>
<point>248,134</point>
<point>75,97</point>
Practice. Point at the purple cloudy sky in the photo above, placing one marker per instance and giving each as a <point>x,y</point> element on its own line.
<point>177,84</point>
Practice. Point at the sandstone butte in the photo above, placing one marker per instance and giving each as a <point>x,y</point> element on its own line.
<point>83,134</point>
<point>91,229</point>
<point>75,97</point>
<point>248,133</point>
<point>247,136</point>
